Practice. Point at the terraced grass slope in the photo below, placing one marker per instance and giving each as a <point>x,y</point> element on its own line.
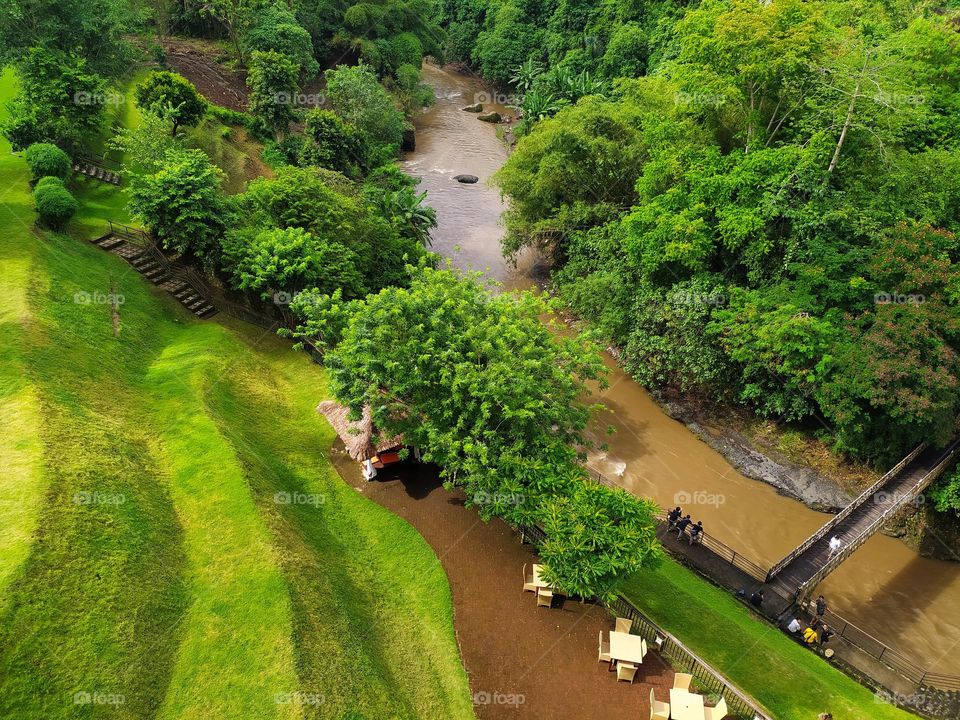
<point>174,542</point>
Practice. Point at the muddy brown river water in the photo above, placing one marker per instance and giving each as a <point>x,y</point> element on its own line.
<point>907,601</point>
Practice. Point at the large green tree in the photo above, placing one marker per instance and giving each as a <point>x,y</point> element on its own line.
<point>182,204</point>
<point>61,100</point>
<point>494,396</point>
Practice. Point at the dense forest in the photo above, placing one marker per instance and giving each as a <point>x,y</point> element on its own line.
<point>757,202</point>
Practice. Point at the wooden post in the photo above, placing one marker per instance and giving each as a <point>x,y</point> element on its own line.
<point>115,309</point>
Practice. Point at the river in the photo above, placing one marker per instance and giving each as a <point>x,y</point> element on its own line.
<point>886,588</point>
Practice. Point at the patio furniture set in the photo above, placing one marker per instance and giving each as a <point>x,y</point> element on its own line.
<point>624,652</point>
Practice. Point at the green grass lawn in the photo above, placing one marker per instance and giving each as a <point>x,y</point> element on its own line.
<point>787,679</point>
<point>143,554</point>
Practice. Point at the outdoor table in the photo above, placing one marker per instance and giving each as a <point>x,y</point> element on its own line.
<point>537,580</point>
<point>685,705</point>
<point>626,647</point>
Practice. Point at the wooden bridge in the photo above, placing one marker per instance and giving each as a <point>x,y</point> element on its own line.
<point>796,575</point>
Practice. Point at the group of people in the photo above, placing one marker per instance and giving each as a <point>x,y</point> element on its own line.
<point>816,632</point>
<point>676,520</point>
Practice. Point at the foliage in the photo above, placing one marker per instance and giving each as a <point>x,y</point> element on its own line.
<point>332,143</point>
<point>55,204</point>
<point>946,493</point>
<point>461,373</point>
<point>45,160</point>
<point>275,28</point>
<point>289,260</point>
<point>61,100</point>
<point>392,193</point>
<point>774,163</point>
<point>356,96</point>
<point>273,80</point>
<point>91,30</point>
<point>145,146</point>
<point>386,35</point>
<point>172,96</point>
<point>348,244</point>
<point>410,90</point>
<point>181,203</point>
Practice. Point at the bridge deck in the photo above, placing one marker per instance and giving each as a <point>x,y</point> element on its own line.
<point>895,493</point>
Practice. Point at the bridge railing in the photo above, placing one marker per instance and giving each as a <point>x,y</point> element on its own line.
<point>822,531</point>
<point>850,632</point>
<point>892,509</point>
<point>717,547</point>
<point>876,648</point>
<point>739,704</point>
<point>191,277</point>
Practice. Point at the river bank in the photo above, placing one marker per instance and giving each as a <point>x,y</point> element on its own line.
<point>886,588</point>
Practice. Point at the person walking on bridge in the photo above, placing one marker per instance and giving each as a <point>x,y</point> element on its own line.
<point>682,526</point>
<point>696,532</point>
<point>674,516</point>
<point>821,608</point>
<point>835,546</point>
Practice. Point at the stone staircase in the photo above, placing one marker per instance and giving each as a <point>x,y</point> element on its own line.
<point>91,169</point>
<point>159,270</point>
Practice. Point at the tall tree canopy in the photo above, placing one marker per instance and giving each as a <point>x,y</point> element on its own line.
<point>492,395</point>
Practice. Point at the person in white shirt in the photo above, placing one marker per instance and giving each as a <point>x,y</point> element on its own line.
<point>794,626</point>
<point>835,546</point>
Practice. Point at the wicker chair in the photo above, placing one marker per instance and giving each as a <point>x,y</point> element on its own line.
<point>626,671</point>
<point>658,710</point>
<point>623,625</point>
<point>681,681</point>
<point>604,655</point>
<point>528,585</point>
<point>544,597</point>
<point>716,713</point>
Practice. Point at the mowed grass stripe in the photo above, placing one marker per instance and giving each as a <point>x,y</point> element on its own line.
<point>236,653</point>
<point>95,607</point>
<point>372,607</point>
<point>21,477</point>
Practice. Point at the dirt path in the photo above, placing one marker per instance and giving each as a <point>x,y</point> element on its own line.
<point>511,649</point>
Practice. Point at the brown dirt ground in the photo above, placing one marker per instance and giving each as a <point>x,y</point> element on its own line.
<point>203,64</point>
<point>508,644</point>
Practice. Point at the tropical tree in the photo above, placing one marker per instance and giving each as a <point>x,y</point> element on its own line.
<point>355,94</point>
<point>494,396</point>
<point>288,260</point>
<point>172,96</point>
<point>182,204</point>
<point>273,80</point>
<point>61,100</point>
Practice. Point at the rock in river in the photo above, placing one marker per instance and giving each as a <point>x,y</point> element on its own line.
<point>493,117</point>
<point>478,107</point>
<point>468,179</point>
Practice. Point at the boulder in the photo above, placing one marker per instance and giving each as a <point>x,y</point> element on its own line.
<point>468,179</point>
<point>476,108</point>
<point>409,142</point>
<point>493,117</point>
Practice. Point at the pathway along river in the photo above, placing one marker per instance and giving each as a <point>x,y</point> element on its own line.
<point>887,589</point>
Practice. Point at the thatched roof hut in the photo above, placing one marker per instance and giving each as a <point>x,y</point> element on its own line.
<point>360,438</point>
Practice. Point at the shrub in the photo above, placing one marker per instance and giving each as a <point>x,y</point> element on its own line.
<point>54,202</point>
<point>46,159</point>
<point>48,181</point>
<point>334,143</point>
